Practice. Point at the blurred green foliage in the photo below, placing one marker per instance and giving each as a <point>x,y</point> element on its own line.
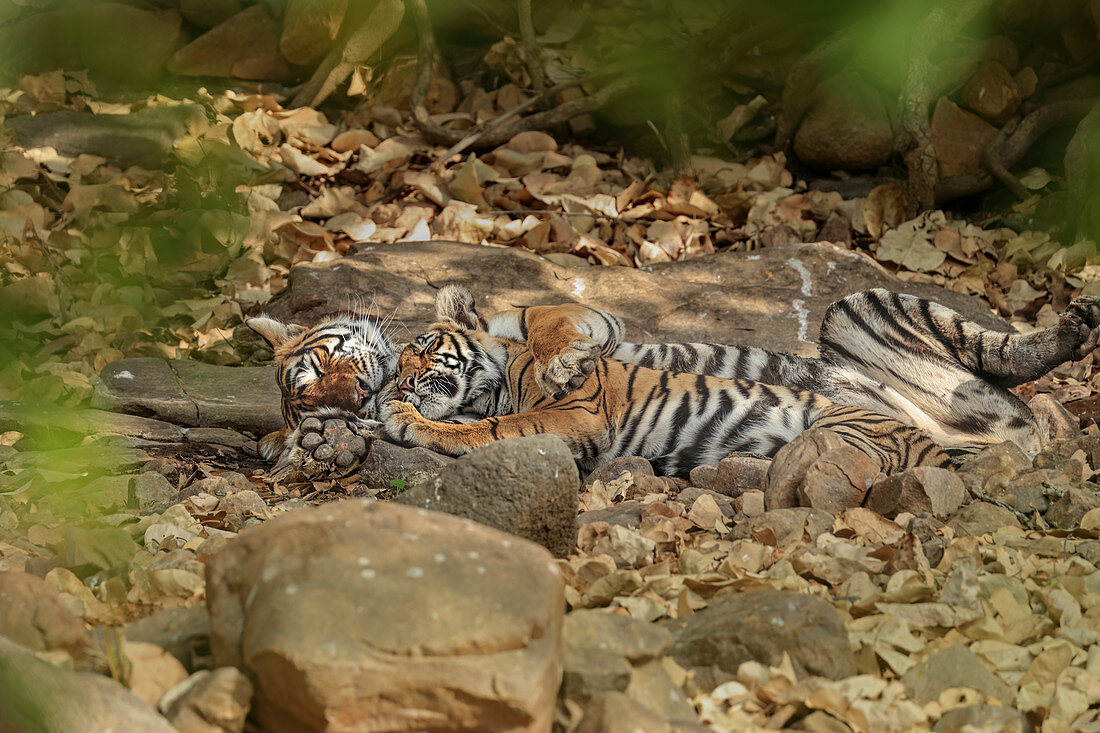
<point>126,277</point>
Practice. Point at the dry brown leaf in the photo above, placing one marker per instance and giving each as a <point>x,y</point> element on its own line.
<point>884,209</point>
<point>1021,295</point>
<point>705,514</point>
<point>910,244</point>
<point>305,126</point>
<point>605,255</point>
<point>256,132</point>
<point>303,164</point>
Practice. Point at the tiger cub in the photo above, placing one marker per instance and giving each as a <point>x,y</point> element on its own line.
<point>676,420</point>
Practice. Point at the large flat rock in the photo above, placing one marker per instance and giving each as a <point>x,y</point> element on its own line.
<point>192,393</point>
<point>773,298</point>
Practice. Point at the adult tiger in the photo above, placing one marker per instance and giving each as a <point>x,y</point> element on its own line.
<point>900,356</point>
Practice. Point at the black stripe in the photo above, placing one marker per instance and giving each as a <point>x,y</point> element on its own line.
<point>738,435</point>
<point>926,314</point>
<point>704,438</point>
<point>739,368</point>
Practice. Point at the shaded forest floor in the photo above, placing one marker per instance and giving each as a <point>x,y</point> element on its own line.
<point>106,258</point>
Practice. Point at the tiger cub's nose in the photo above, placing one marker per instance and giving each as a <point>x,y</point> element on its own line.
<point>406,384</point>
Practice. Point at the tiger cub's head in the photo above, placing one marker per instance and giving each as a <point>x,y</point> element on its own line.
<point>342,363</point>
<point>446,369</point>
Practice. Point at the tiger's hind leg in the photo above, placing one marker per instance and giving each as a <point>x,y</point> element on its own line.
<point>566,341</point>
<point>877,328</point>
<point>926,365</point>
<point>846,449</point>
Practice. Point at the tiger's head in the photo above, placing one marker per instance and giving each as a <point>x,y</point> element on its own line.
<point>342,363</point>
<point>447,369</point>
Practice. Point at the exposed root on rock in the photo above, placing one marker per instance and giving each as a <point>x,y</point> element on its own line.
<point>377,28</point>
<point>1008,147</point>
<point>940,27</point>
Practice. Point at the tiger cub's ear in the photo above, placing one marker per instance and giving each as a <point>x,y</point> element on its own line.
<point>456,303</point>
<point>274,332</point>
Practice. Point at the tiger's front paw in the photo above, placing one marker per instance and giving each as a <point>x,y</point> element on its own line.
<point>567,370</point>
<point>1081,323</point>
<point>325,447</point>
<point>405,424</point>
<point>400,419</point>
<point>404,413</point>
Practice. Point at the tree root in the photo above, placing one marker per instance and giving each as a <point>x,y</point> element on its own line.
<point>425,62</point>
<point>1024,519</point>
<point>376,29</point>
<point>474,134</point>
<point>530,46</point>
<point>1007,148</point>
<point>914,139</point>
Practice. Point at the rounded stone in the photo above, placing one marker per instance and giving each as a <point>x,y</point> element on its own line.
<point>487,659</point>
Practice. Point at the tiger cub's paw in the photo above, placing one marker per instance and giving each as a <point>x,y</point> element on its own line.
<point>399,417</point>
<point>567,370</point>
<point>404,413</point>
<point>1081,323</point>
<point>325,446</point>
<point>405,424</point>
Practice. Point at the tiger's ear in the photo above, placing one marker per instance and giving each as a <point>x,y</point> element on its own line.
<point>274,332</point>
<point>456,303</point>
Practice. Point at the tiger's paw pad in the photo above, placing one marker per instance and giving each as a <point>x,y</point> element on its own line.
<point>329,446</point>
<point>568,369</point>
<point>1081,320</point>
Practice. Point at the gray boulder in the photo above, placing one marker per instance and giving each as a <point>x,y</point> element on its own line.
<point>523,486</point>
<point>637,641</point>
<point>980,517</point>
<point>209,701</point>
<point>923,489</point>
<point>955,666</point>
<point>386,463</point>
<point>761,626</point>
<point>33,614</point>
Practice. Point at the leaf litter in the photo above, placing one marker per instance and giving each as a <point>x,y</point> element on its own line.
<point>106,262</point>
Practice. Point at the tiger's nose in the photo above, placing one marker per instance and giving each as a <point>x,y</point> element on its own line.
<point>406,384</point>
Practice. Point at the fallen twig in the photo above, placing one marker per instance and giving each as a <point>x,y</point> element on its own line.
<point>1024,518</point>
<point>476,133</point>
<point>1004,151</point>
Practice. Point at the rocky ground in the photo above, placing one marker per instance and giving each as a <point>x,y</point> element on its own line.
<point>621,600</point>
<point>142,541</point>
